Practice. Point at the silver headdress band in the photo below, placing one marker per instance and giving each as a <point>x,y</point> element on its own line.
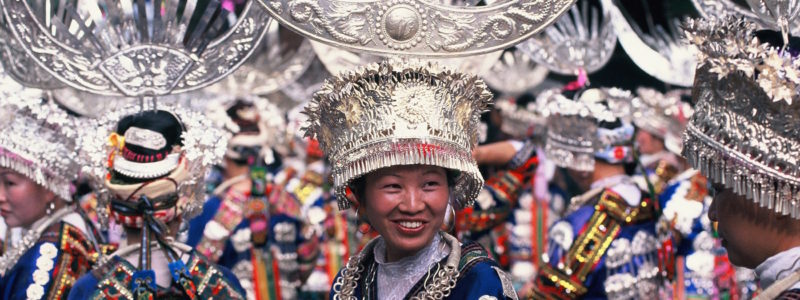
<point>397,113</point>
<point>135,48</point>
<point>744,132</point>
<point>574,137</point>
<point>663,115</point>
<point>417,27</point>
<point>37,139</point>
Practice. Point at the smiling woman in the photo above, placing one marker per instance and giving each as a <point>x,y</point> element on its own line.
<point>400,137</point>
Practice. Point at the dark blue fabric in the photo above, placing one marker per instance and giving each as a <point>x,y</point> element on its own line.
<point>480,280</point>
<point>198,224</point>
<point>14,284</point>
<point>87,284</point>
<point>595,279</point>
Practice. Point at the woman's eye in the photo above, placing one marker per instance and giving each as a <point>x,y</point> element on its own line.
<point>391,186</point>
<point>431,184</point>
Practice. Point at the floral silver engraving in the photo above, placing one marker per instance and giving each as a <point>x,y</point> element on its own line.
<point>416,27</point>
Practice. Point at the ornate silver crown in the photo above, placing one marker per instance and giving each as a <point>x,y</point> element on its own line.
<point>397,113</point>
<point>661,53</point>
<point>523,122</point>
<point>124,48</point>
<point>745,130</point>
<point>573,136</point>
<point>416,27</point>
<point>581,40</point>
<point>37,139</point>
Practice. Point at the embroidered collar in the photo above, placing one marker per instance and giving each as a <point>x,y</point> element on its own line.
<point>396,279</point>
<point>779,266</point>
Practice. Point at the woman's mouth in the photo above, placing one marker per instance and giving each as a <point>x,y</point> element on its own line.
<point>407,227</point>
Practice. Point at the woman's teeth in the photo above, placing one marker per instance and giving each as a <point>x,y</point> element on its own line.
<point>411,224</point>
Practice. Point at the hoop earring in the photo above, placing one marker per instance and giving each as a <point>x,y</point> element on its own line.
<point>51,208</point>
<point>449,218</point>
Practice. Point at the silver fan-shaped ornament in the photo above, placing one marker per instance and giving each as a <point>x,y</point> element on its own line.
<point>661,54</point>
<point>19,65</point>
<point>281,58</point>
<point>514,73</point>
<point>583,39</point>
<point>418,28</point>
<point>767,14</point>
<point>136,48</point>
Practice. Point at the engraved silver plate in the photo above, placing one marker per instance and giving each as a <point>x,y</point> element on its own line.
<point>280,59</point>
<point>109,48</point>
<point>415,27</point>
<point>19,66</point>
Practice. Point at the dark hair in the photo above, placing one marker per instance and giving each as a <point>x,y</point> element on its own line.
<point>163,122</point>
<point>245,126</point>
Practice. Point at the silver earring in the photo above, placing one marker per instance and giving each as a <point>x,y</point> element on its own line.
<point>51,208</point>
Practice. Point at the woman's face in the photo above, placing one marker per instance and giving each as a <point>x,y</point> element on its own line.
<point>648,143</point>
<point>747,230</point>
<point>22,201</point>
<point>406,205</point>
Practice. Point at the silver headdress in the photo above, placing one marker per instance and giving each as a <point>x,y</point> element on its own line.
<point>203,146</point>
<point>415,27</point>
<point>661,53</point>
<point>744,132</point>
<point>37,139</point>
<point>523,122</point>
<point>135,48</point>
<point>581,40</point>
<point>575,137</point>
<point>765,14</point>
<point>268,118</point>
<point>397,113</point>
<point>280,59</point>
<point>514,73</point>
<point>663,115</point>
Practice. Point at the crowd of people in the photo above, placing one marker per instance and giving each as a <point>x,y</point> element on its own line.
<point>424,157</point>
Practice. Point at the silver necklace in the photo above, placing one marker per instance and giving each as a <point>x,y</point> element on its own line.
<point>437,287</point>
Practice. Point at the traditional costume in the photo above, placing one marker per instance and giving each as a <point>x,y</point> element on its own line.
<point>252,224</point>
<point>605,247</point>
<point>396,113</point>
<point>37,140</point>
<point>155,161</point>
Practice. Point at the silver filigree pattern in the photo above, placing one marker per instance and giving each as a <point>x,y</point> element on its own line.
<point>398,113</point>
<point>19,65</point>
<point>115,50</point>
<point>744,133</point>
<point>584,39</point>
<point>419,28</point>
<point>663,115</point>
<point>37,139</point>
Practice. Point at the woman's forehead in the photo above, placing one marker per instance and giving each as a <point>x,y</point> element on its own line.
<point>408,170</point>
